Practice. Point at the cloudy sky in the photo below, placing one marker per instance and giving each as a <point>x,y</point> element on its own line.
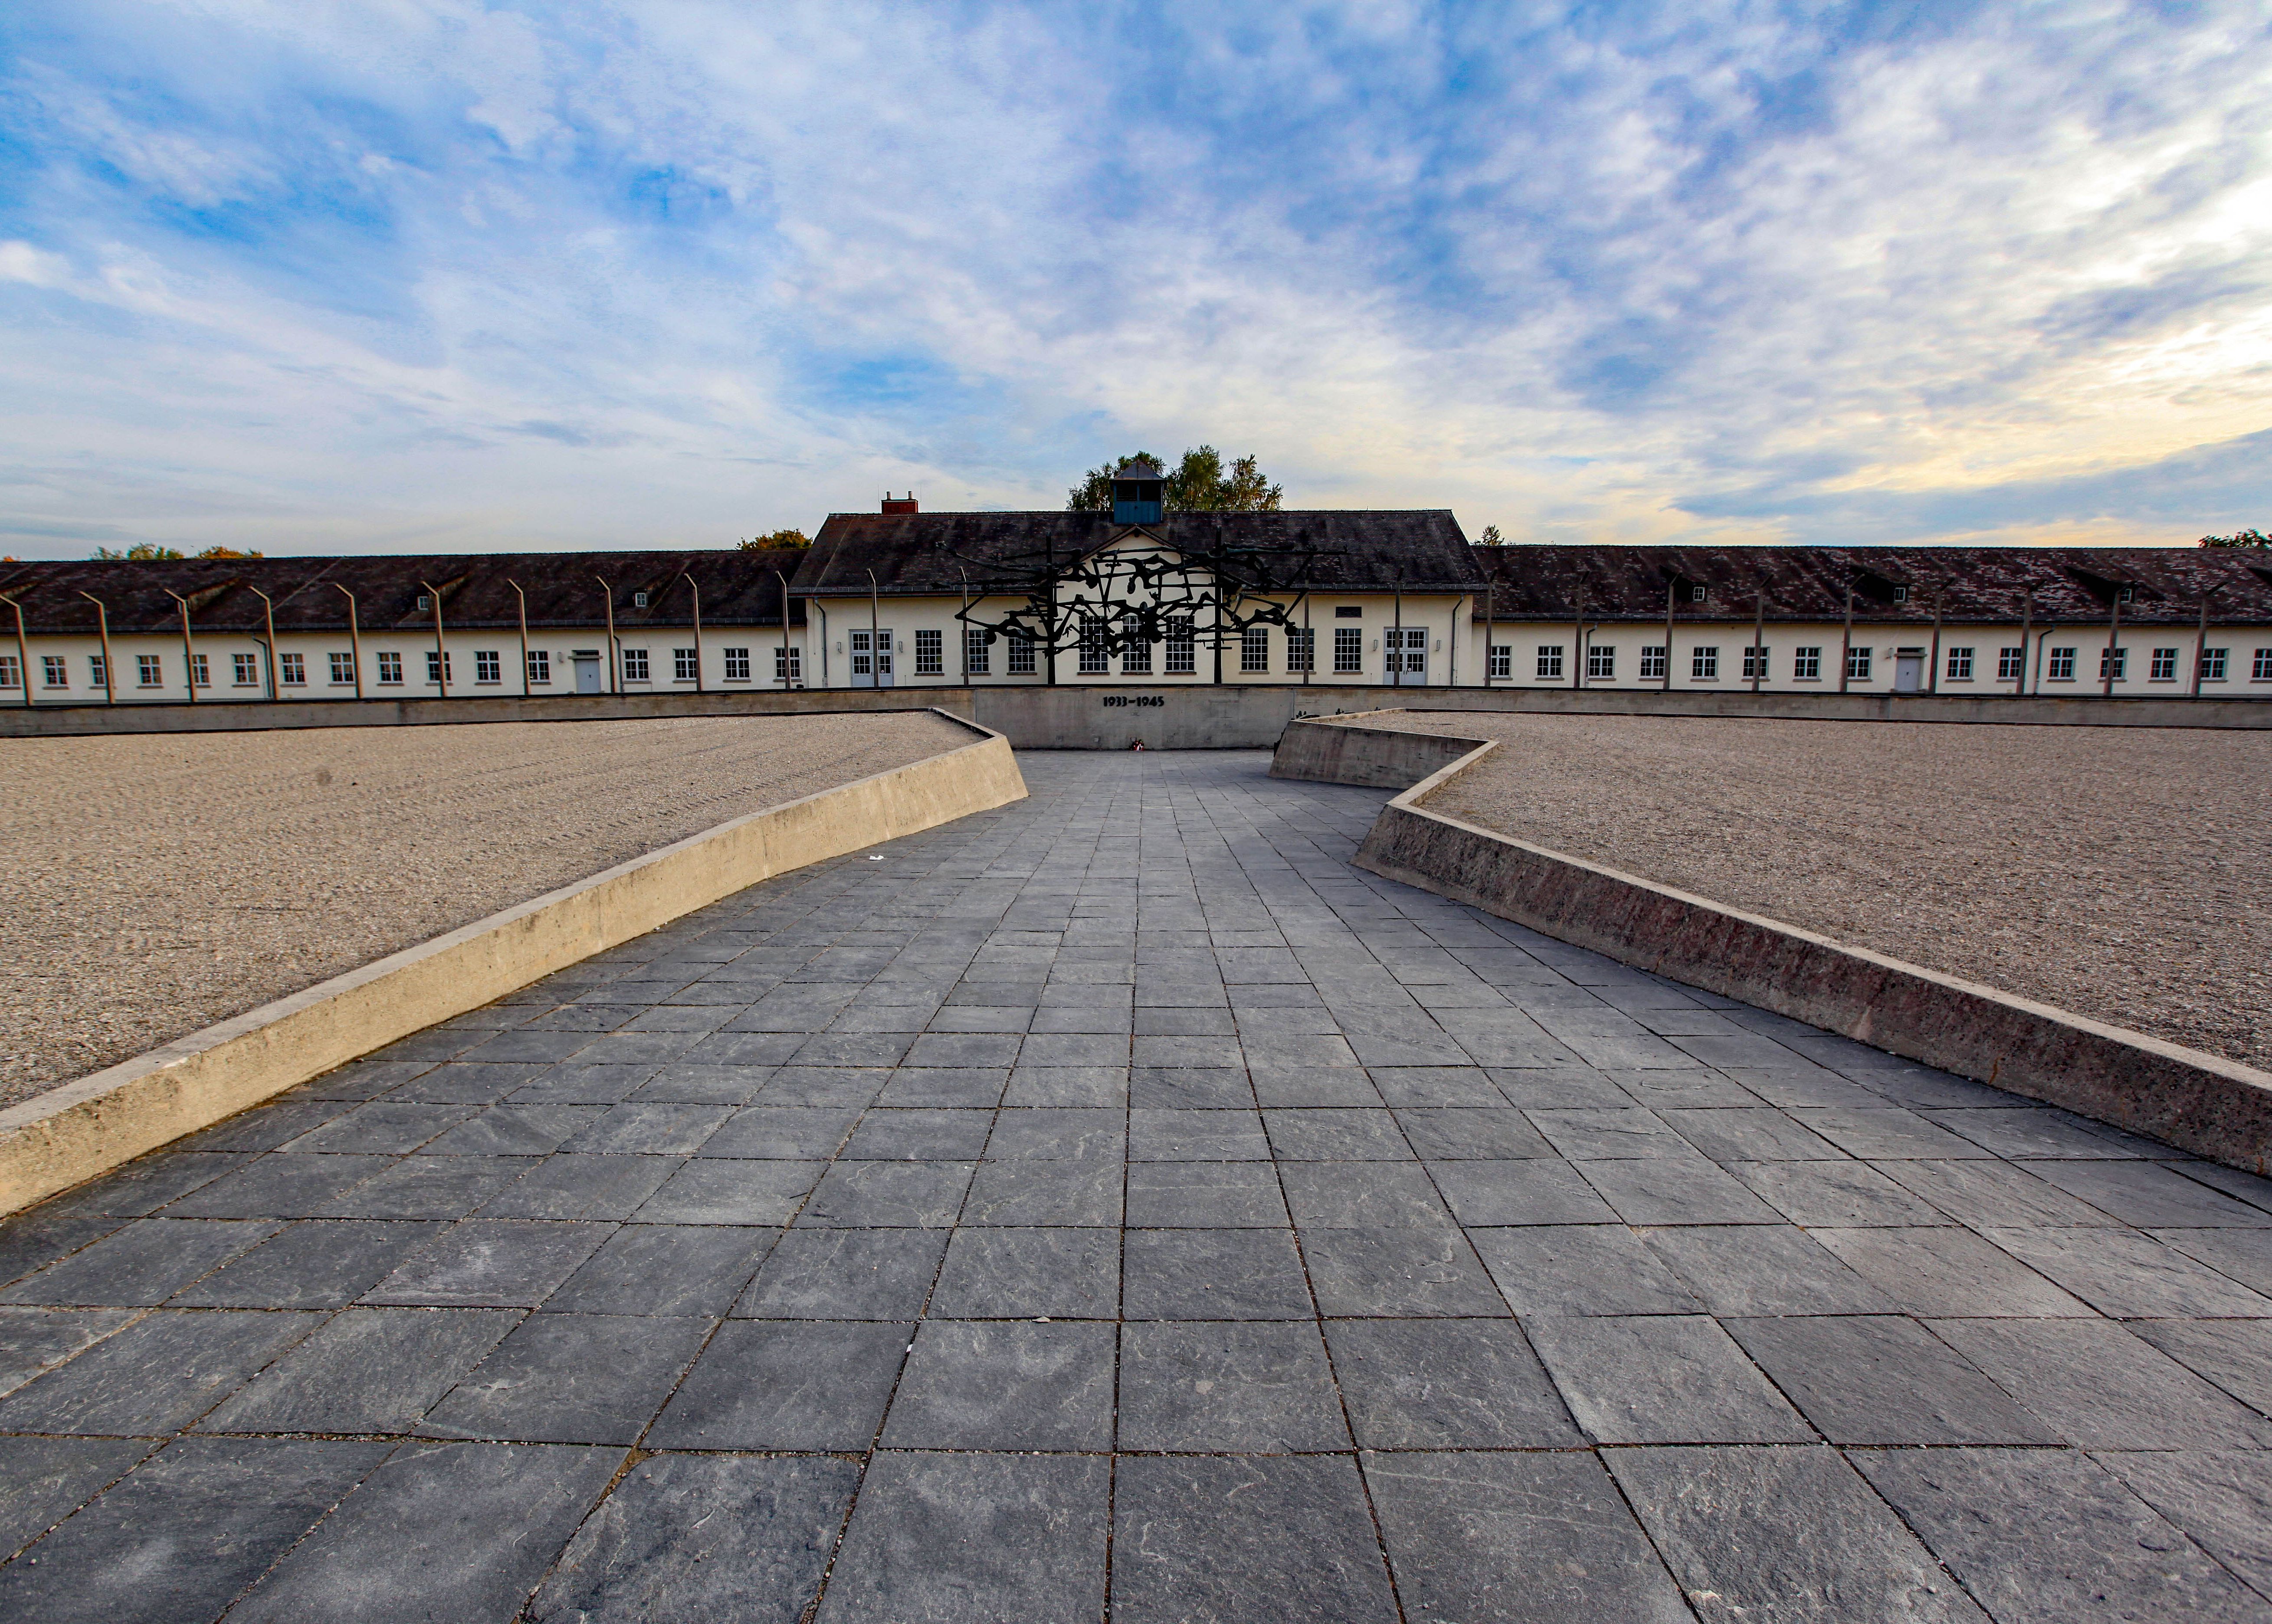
<point>426,274</point>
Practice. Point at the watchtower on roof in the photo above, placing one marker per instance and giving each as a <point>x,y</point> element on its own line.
<point>1139,491</point>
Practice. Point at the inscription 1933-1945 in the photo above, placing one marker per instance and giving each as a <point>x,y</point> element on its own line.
<point>1114,701</point>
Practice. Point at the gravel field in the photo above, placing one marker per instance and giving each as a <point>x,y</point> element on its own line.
<point>163,882</point>
<point>2123,873</point>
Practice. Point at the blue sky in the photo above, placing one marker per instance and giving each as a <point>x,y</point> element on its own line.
<point>427,275</point>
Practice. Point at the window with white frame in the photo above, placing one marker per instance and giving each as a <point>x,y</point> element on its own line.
<point>149,671</point>
<point>2061,666</point>
<point>1502,660</point>
<point>540,667</point>
<point>1180,650</point>
<point>685,665</point>
<point>1695,594</point>
<point>342,669</point>
<point>1755,663</point>
<point>2212,665</point>
<point>2261,671</point>
<point>390,670</point>
<point>1349,649</point>
<point>930,653</point>
<point>1704,664</point>
<point>1254,649</point>
<point>12,671</point>
<point>2164,667</point>
<point>1550,662</point>
<point>1857,665</point>
<point>788,664</point>
<point>737,665</point>
<point>245,670</point>
<point>2010,662</point>
<point>1135,654</point>
<point>638,600</point>
<point>1601,660</point>
<point>1960,665</point>
<point>1301,649</point>
<point>489,666</point>
<point>2114,663</point>
<point>635,665</point>
<point>977,652</point>
<point>1095,647</point>
<point>200,671</point>
<point>292,670</point>
<point>1020,660</point>
<point>440,668</point>
<point>53,671</point>
<point>1806,664</point>
<point>98,671</point>
<point>1652,662</point>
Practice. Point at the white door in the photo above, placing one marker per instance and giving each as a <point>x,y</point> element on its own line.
<point>1908,673</point>
<point>588,673</point>
<point>1411,659</point>
<point>871,658</point>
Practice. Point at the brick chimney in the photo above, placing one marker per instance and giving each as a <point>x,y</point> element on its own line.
<point>900,504</point>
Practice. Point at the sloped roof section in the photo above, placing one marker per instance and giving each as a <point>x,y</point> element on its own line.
<point>1351,549</point>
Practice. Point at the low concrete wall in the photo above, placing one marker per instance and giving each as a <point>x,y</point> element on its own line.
<point>1347,752</point>
<point>2202,1103</point>
<point>71,1133</point>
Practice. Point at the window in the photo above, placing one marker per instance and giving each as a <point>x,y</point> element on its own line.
<point>977,650</point>
<point>1411,642</point>
<point>1254,649</point>
<point>737,665</point>
<point>2112,663</point>
<point>148,670</point>
<point>1301,649</point>
<point>1755,663</point>
<point>1704,664</point>
<point>1652,662</point>
<point>1959,665</point>
<point>1350,611</point>
<point>489,666</point>
<point>930,653</point>
<point>200,671</point>
<point>1601,660</point>
<point>1182,652</point>
<point>635,665</point>
<point>342,670</point>
<point>1020,662</point>
<point>11,673</point>
<point>1900,594</point>
<point>1135,655</point>
<point>439,669</point>
<point>1502,660</point>
<point>2164,669</point>
<point>425,602</point>
<point>686,665</point>
<point>2261,671</point>
<point>2062,665</point>
<point>788,664</point>
<point>1095,654</point>
<point>1695,594</point>
<point>1807,665</point>
<point>1857,665</point>
<point>2126,594</point>
<point>638,600</point>
<point>2212,663</point>
<point>540,666</point>
<point>390,670</point>
<point>2010,662</point>
<point>1349,648</point>
<point>98,672</point>
<point>292,670</point>
<point>871,654</point>
<point>52,671</point>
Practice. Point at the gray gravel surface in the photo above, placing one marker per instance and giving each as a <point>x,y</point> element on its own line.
<point>2123,873</point>
<point>160,883</point>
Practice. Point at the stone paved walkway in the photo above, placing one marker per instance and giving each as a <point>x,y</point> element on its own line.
<point>1118,1206</point>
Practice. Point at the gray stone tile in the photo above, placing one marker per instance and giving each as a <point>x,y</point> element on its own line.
<point>281,1187</point>
<point>2049,1534</point>
<point>1292,1086</point>
<point>1756,1135</point>
<point>2150,1196</point>
<point>141,1187</point>
<point>571,1378</point>
<point>582,1084</point>
<point>1059,1134</point>
<point>699,1083</point>
<point>1948,1272</point>
<point>776,1384</point>
<point>1559,1088</point>
<point>1724,1520</point>
<point>1361,1195</point>
<point>1193,1087</point>
<point>1579,1269</point>
<point>782,1133</point>
<point>2241,1255</point>
<point>846,1274</point>
<point>637,1129</point>
<point>465,1084</point>
<point>1005,1273</point>
<point>143,1263</point>
<point>186,1533</point>
<point>1764,1269</point>
<point>1989,1195</point>
<point>726,1190</point>
<point>1471,1133</point>
<point>973,1385</point>
<point>1031,1193</point>
<point>487,1262</point>
<point>1845,1195</point>
<point>440,1530</point>
<point>1675,1190</point>
<point>430,1187</point>
<point>367,1370</point>
<point>1612,1135</point>
<point>266,1129</point>
<point>941,1539</point>
<point>1402,1272</point>
<point>669,1270</point>
<point>1330,1135</point>
<point>33,1341</point>
<point>1257,1387</point>
<point>1881,1379</point>
<point>1407,1087</point>
<point>582,1187</point>
<point>876,1194</point>
<point>513,1131</point>
<point>1244,1537</point>
<point>1507,1537</point>
<point>1095,1087</point>
<point>156,1376</point>
<point>1446,1384</point>
<point>315,1263</point>
<point>1209,1194</point>
<point>1214,1274</point>
<point>1541,1191</point>
<point>32,1240</point>
<point>2099,1387</point>
<point>919,1135</point>
<point>2129,1276</point>
<point>1164,1135</point>
<point>2236,1354</point>
<point>43,1480</point>
<point>689,1537</point>
<point>2221,1499</point>
<point>382,1128</point>
<point>973,1088</point>
<point>2022,1132</point>
<point>1661,1379</point>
